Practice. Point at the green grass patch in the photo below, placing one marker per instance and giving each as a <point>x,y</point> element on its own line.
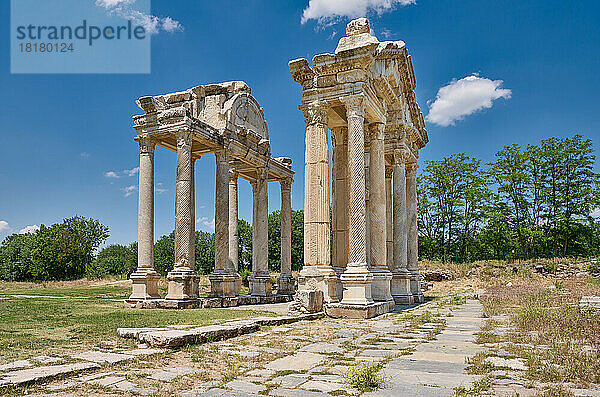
<point>365,377</point>
<point>34,326</point>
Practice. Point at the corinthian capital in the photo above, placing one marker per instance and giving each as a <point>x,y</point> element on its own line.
<point>146,145</point>
<point>377,130</point>
<point>286,184</point>
<point>184,140</point>
<point>411,168</point>
<point>355,106</point>
<point>314,113</point>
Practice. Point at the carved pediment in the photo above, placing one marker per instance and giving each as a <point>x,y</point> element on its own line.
<point>243,111</point>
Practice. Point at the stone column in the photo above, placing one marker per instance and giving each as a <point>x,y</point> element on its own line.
<point>286,282</point>
<point>367,192</point>
<point>260,280</point>
<point>357,278</point>
<point>145,278</point>
<point>413,237</point>
<point>389,219</point>
<point>380,288</point>
<point>233,229</point>
<point>340,204</point>
<point>182,279</point>
<point>317,273</point>
<point>400,278</point>
<point>222,280</point>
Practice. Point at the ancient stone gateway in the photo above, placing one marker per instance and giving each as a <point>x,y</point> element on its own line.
<point>364,94</point>
<point>226,120</point>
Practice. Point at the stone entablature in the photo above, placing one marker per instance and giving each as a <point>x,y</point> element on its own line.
<point>364,94</point>
<point>226,120</point>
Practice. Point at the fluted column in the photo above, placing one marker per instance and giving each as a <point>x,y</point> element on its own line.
<point>380,287</point>
<point>400,277</point>
<point>181,278</point>
<point>339,204</point>
<point>356,279</point>
<point>389,222</point>
<point>233,228</point>
<point>145,278</point>
<point>317,272</point>
<point>260,280</point>
<point>222,280</point>
<point>285,282</point>
<point>413,238</point>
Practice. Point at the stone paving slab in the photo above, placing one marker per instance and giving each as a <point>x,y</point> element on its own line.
<point>322,348</point>
<point>16,365</point>
<point>103,357</point>
<point>281,392</point>
<point>301,361</point>
<point>42,373</point>
<point>428,366</point>
<point>245,386</point>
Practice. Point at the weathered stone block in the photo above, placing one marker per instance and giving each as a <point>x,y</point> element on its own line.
<point>311,300</point>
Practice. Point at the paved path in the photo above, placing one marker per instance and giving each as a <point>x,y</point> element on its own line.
<point>423,349</point>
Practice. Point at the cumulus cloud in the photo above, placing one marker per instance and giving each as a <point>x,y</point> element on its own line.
<point>132,172</point>
<point>463,97</point>
<point>111,174</point>
<point>151,23</point>
<point>29,229</point>
<point>4,227</point>
<point>208,224</point>
<point>129,190</point>
<point>327,10</point>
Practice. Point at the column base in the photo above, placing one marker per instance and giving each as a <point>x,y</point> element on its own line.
<point>183,284</point>
<point>260,285</point>
<point>286,284</point>
<point>144,285</point>
<point>400,288</point>
<point>415,287</point>
<point>341,310</point>
<point>380,287</point>
<point>357,285</point>
<point>238,284</point>
<point>223,284</point>
<point>319,278</point>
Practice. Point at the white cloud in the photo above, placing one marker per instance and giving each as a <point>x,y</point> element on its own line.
<point>151,23</point>
<point>386,33</point>
<point>84,155</point>
<point>160,189</point>
<point>129,190</point>
<point>463,97</point>
<point>29,229</point>
<point>4,227</point>
<point>208,224</point>
<point>111,174</point>
<point>113,3</point>
<point>326,10</point>
<point>132,172</point>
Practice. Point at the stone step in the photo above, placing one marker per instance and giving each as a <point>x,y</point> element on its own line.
<point>168,337</point>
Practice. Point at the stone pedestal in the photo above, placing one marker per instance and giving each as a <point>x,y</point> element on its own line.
<point>144,285</point>
<point>260,285</point>
<point>286,285</point>
<point>223,284</point>
<point>183,284</point>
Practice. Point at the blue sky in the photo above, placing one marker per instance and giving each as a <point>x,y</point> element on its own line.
<point>534,68</point>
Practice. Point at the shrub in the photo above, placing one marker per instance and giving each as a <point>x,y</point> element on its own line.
<point>366,378</point>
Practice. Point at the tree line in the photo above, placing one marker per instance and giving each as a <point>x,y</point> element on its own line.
<point>536,201</point>
<point>529,202</point>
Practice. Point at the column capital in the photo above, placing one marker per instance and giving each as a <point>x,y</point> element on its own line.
<point>286,184</point>
<point>315,112</point>
<point>233,176</point>
<point>355,106</point>
<point>184,139</point>
<point>377,130</point>
<point>411,168</point>
<point>262,173</point>
<point>388,172</point>
<point>222,155</point>
<point>147,145</point>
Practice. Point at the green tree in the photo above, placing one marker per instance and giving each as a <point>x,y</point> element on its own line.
<point>115,259</point>
<point>15,257</point>
<point>64,251</point>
